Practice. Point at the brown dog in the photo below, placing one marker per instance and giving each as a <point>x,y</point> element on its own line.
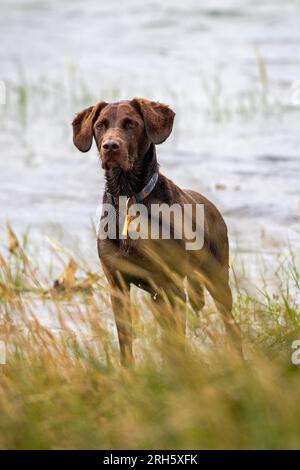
<point>126,134</point>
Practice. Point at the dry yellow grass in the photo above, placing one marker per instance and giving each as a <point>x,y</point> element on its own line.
<point>62,387</point>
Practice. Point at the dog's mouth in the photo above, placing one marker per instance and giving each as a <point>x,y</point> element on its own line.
<point>116,161</point>
<point>109,163</point>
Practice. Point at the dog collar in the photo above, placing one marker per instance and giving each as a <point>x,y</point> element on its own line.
<point>140,196</point>
<point>135,198</point>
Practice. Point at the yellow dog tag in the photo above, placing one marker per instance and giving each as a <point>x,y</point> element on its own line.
<point>127,221</point>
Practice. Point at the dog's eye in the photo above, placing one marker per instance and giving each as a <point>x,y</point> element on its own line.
<point>129,124</point>
<point>101,125</point>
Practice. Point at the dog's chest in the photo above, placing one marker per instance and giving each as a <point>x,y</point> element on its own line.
<point>128,247</point>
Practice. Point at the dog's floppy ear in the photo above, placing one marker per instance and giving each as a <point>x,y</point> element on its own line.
<point>158,119</point>
<point>83,126</point>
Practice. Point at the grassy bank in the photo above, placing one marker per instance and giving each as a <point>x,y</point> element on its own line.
<point>62,386</point>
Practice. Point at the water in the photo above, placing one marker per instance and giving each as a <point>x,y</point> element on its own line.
<point>226,68</point>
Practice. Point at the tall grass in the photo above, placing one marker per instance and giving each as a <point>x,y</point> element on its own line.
<point>73,90</point>
<point>62,386</point>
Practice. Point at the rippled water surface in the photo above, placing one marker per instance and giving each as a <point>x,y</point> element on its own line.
<point>227,70</point>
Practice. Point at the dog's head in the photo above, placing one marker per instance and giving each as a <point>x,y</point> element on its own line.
<point>123,131</point>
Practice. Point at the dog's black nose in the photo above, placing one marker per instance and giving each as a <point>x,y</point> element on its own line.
<point>110,145</point>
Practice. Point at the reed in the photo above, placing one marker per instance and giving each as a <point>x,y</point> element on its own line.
<point>62,386</point>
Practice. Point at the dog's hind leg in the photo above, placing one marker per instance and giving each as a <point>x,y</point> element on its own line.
<point>195,291</point>
<point>217,283</point>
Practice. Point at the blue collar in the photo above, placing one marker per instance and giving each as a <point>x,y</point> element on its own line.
<point>140,196</point>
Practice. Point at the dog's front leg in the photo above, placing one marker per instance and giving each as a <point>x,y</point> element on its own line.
<point>120,299</point>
